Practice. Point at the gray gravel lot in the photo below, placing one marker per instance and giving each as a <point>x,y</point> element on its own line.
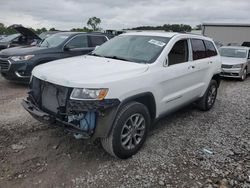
<point>189,148</point>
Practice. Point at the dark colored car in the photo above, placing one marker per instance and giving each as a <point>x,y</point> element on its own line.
<point>23,37</point>
<point>247,44</point>
<point>16,64</point>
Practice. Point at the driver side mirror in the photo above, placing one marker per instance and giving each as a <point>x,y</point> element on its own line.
<point>68,48</point>
<point>97,47</point>
<point>165,64</point>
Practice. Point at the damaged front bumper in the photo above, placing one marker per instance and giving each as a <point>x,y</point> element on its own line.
<point>86,119</point>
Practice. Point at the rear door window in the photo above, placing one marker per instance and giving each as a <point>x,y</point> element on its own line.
<point>179,53</point>
<point>199,50</point>
<point>97,40</point>
<point>210,49</point>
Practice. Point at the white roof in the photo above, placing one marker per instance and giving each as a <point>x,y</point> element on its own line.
<point>167,34</point>
<point>150,33</point>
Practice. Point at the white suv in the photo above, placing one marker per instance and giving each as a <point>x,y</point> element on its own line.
<point>119,90</point>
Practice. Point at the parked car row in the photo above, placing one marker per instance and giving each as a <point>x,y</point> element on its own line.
<point>17,63</point>
<point>23,37</point>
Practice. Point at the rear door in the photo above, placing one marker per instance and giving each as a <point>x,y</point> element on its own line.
<point>202,64</point>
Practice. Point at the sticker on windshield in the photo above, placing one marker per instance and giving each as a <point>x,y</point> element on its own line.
<point>157,43</point>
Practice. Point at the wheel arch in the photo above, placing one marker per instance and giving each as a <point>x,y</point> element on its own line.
<point>217,78</point>
<point>146,98</point>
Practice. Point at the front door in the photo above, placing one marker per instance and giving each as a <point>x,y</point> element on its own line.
<point>177,81</point>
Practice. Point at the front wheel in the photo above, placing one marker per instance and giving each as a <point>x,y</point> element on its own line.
<point>244,75</point>
<point>208,99</point>
<point>129,131</point>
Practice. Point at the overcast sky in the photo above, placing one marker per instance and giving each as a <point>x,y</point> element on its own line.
<point>116,14</point>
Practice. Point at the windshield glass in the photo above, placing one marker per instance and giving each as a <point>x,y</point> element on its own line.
<point>135,48</point>
<point>9,38</point>
<point>54,40</point>
<point>233,52</point>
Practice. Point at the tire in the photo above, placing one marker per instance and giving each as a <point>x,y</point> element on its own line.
<point>124,129</point>
<point>208,99</point>
<point>244,75</point>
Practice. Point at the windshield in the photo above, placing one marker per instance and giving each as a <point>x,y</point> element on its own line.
<point>135,48</point>
<point>10,38</point>
<point>233,52</point>
<point>54,40</point>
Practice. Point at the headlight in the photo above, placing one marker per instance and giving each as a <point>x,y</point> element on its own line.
<point>22,58</point>
<point>237,66</point>
<point>88,94</point>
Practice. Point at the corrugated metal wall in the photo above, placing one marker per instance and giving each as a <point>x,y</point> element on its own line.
<point>227,34</point>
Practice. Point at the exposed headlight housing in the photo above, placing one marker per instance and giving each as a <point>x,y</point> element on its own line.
<point>22,58</point>
<point>88,94</point>
<point>237,66</point>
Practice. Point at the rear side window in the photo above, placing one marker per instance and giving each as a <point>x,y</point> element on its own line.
<point>179,53</point>
<point>79,41</point>
<point>210,49</point>
<point>97,40</point>
<point>199,51</point>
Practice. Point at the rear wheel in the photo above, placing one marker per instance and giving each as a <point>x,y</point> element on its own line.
<point>208,99</point>
<point>129,131</point>
<point>244,75</point>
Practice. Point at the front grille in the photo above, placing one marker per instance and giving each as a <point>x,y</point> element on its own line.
<point>4,56</point>
<point>226,66</point>
<point>49,97</point>
<point>4,64</point>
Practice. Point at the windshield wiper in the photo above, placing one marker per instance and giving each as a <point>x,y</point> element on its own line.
<point>94,54</point>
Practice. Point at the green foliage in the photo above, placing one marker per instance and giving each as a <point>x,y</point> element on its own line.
<point>6,30</point>
<point>94,22</point>
<point>167,27</point>
<point>52,29</point>
<point>85,29</point>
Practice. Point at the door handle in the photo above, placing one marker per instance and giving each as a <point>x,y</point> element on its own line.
<point>210,62</point>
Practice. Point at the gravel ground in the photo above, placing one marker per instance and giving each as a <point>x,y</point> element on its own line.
<point>186,149</point>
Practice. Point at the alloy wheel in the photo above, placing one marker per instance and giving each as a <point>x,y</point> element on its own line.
<point>133,131</point>
<point>211,95</point>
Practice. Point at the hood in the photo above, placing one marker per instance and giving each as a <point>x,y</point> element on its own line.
<point>87,71</point>
<point>24,50</point>
<point>25,31</point>
<point>232,60</point>
<point>3,45</point>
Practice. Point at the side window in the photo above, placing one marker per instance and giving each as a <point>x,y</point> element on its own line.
<point>199,50</point>
<point>97,40</point>
<point>249,54</point>
<point>210,49</point>
<point>80,41</point>
<point>179,53</point>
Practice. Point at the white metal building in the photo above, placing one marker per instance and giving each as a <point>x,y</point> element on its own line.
<point>227,33</point>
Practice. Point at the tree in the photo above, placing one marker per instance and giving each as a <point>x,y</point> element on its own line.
<point>94,22</point>
<point>52,29</point>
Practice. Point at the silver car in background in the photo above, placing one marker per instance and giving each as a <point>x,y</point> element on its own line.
<point>235,61</point>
